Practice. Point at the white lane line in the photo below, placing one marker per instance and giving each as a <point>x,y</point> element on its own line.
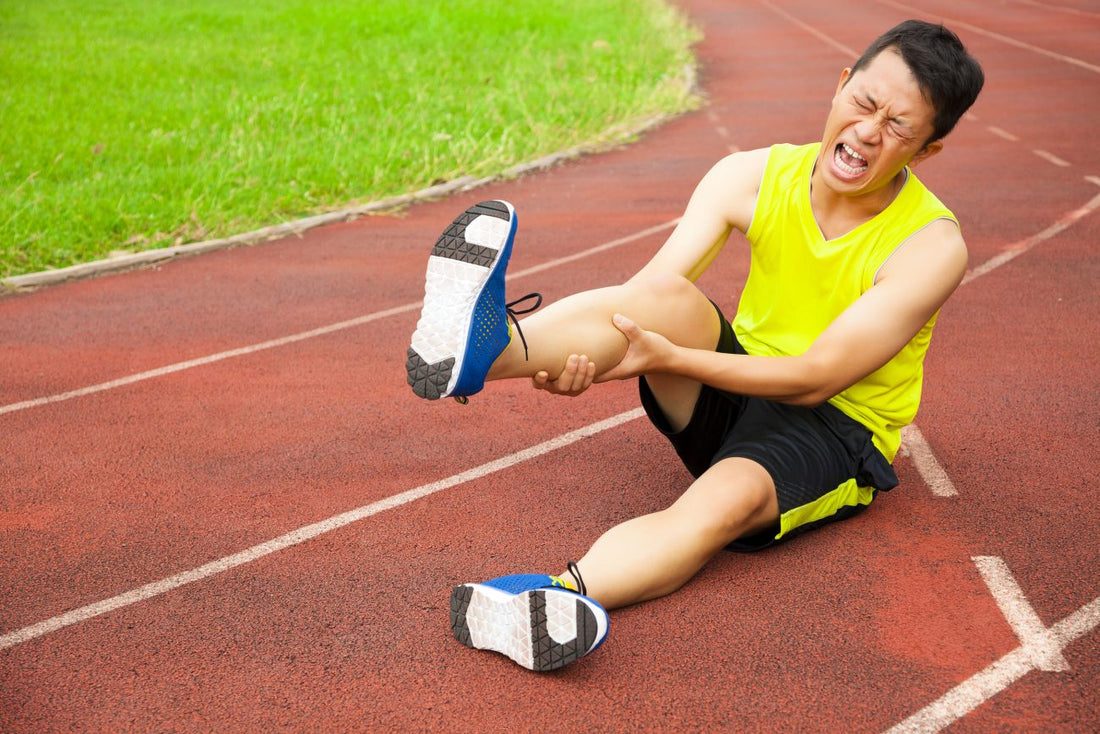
<point>1093,179</point>
<point>955,23</point>
<point>1039,641</point>
<point>180,366</point>
<point>308,532</point>
<point>984,685</point>
<point>828,40</point>
<point>929,468</point>
<point>1019,248</point>
<point>1002,133</point>
<point>312,333</point>
<point>594,250</point>
<point>1062,8</point>
<point>1051,158</point>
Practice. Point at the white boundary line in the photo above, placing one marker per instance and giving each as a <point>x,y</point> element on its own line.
<point>1051,158</point>
<point>827,39</point>
<point>987,683</point>
<point>1016,249</point>
<point>321,331</point>
<point>997,36</point>
<point>308,532</point>
<point>1045,652</point>
<point>929,468</point>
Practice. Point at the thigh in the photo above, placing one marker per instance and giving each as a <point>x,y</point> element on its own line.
<point>823,463</point>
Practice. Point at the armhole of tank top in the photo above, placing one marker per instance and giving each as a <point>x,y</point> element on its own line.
<point>759,190</point>
<point>901,244</point>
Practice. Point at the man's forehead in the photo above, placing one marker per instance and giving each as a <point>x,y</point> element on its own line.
<point>888,79</point>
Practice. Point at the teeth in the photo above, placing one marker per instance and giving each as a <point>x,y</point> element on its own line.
<point>852,153</point>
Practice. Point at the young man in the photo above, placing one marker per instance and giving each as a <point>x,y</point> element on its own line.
<point>788,417</point>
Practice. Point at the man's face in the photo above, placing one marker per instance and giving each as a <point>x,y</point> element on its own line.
<point>878,123</point>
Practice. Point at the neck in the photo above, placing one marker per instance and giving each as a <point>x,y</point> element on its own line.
<point>837,214</point>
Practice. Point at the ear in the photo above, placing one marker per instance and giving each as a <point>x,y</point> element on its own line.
<point>844,77</point>
<point>926,152</point>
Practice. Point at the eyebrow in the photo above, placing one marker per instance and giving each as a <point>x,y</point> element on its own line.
<point>901,121</point>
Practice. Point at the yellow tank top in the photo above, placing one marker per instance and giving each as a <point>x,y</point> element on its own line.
<point>799,282</point>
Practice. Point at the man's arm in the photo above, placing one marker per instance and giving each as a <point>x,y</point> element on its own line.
<point>913,284</point>
<point>723,200</point>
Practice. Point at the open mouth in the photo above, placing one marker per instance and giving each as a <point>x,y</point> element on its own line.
<point>848,160</point>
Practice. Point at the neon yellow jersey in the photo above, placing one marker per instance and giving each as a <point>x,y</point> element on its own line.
<point>799,282</point>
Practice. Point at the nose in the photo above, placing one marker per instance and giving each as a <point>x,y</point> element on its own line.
<point>868,130</point>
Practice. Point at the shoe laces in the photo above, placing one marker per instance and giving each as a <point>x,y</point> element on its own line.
<point>514,313</point>
<point>576,574</point>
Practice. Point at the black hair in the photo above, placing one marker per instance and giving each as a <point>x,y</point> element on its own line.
<point>948,76</point>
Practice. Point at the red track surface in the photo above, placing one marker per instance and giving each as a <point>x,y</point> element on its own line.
<point>851,629</point>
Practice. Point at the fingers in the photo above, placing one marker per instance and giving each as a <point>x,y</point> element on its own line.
<point>624,324</point>
<point>575,378</point>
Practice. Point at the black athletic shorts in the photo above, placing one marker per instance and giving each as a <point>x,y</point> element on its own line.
<point>822,462</point>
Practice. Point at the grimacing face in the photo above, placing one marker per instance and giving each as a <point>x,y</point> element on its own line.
<point>878,123</point>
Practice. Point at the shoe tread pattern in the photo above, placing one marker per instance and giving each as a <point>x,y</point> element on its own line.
<point>428,380</point>
<point>452,243</point>
<point>551,655</point>
<point>460,602</point>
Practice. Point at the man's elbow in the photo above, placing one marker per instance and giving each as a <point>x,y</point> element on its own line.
<point>810,399</point>
<point>816,387</point>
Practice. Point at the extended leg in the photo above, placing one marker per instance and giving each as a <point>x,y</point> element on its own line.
<point>655,554</point>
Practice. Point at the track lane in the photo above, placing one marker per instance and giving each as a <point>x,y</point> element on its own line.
<point>893,592</point>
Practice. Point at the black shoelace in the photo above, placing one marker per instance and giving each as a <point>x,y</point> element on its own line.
<point>576,574</point>
<point>514,312</point>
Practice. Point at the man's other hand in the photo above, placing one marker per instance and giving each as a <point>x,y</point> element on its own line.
<point>573,380</point>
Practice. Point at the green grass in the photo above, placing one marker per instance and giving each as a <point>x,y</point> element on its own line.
<point>133,124</point>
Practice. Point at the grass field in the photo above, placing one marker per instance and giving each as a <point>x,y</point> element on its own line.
<point>144,123</point>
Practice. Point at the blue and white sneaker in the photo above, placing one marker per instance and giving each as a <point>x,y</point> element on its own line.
<point>535,619</point>
<point>463,326</point>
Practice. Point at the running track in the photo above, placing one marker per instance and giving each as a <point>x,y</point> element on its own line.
<point>207,525</point>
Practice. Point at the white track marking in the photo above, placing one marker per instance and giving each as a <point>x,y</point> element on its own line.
<point>1093,179</point>
<point>283,341</point>
<point>829,40</point>
<point>1062,8</point>
<point>927,465</point>
<point>1051,158</point>
<point>1046,653</point>
<point>979,688</point>
<point>308,532</point>
<point>1002,133</point>
<point>1019,248</point>
<point>997,36</point>
<point>593,250</point>
<point>180,366</point>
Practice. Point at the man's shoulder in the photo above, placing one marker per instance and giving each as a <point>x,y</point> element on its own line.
<point>738,177</point>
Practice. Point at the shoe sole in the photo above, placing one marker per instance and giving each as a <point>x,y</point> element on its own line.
<point>475,246</point>
<point>541,629</point>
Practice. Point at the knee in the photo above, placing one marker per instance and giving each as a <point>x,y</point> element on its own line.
<point>665,287</point>
<point>727,508</point>
<point>740,508</point>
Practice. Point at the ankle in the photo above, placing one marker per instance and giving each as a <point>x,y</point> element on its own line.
<point>572,576</point>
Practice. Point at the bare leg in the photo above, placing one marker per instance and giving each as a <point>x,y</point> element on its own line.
<point>581,324</point>
<point>655,554</point>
